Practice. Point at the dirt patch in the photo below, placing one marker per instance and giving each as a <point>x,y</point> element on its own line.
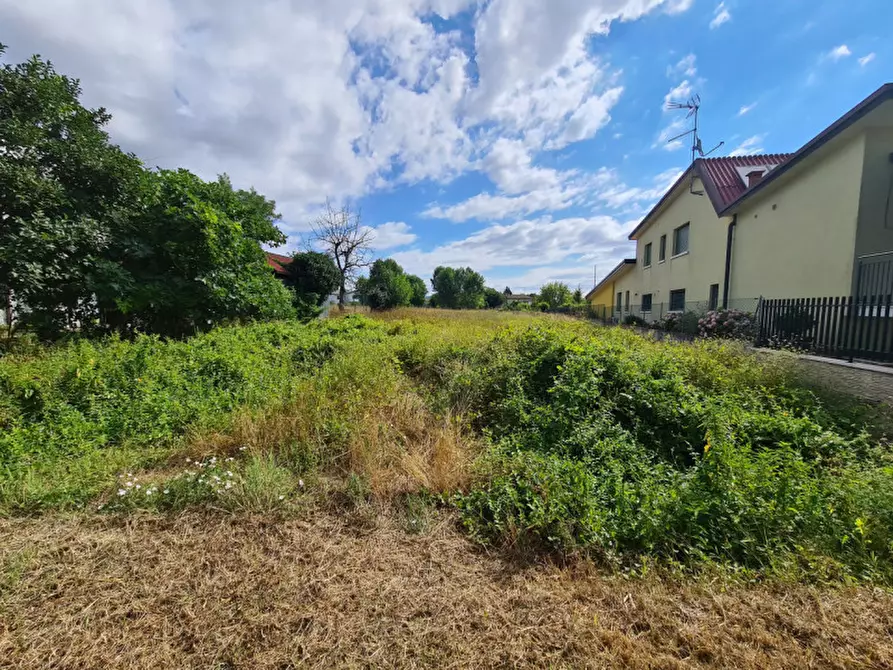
<point>230,592</point>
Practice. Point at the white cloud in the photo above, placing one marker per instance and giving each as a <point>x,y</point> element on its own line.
<point>525,243</point>
<point>679,93</point>
<point>839,52</point>
<point>746,109</point>
<point>306,99</point>
<point>391,235</point>
<point>752,145</point>
<point>721,15</point>
<point>865,60</point>
<point>687,67</point>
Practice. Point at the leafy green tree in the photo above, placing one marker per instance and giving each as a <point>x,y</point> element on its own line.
<point>388,286</point>
<point>193,257</point>
<point>578,296</point>
<point>493,298</point>
<point>64,189</point>
<point>313,276</point>
<point>555,294</point>
<point>458,288</point>
<point>419,290</point>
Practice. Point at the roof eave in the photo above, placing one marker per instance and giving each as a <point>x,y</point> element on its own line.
<point>881,95</point>
<point>626,262</point>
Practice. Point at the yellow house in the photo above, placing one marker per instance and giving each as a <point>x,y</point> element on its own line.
<point>815,223</point>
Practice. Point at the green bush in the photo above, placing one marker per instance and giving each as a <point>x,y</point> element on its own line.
<point>91,402</point>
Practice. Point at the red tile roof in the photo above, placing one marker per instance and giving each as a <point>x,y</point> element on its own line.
<point>726,181</point>
<point>278,262</point>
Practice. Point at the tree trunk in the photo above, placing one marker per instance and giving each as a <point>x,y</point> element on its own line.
<point>341,292</point>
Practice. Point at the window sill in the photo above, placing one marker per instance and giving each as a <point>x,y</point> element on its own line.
<point>661,262</point>
<point>646,267</point>
<point>684,253</point>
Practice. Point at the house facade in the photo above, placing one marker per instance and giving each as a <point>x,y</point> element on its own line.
<point>814,223</point>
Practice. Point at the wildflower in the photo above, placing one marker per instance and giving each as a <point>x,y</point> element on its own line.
<point>138,487</point>
<point>242,448</point>
<point>189,460</point>
<point>300,483</point>
<point>166,491</point>
<point>281,497</point>
<point>229,474</point>
<point>129,484</point>
<point>228,485</point>
<point>122,492</point>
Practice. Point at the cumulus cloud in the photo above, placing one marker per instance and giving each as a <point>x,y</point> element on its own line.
<point>306,100</point>
<point>392,235</point>
<point>523,243</point>
<point>842,51</point>
<point>721,15</point>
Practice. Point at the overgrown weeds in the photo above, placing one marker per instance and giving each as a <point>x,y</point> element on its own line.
<point>547,434</point>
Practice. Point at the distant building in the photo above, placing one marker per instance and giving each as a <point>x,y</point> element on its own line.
<point>519,297</point>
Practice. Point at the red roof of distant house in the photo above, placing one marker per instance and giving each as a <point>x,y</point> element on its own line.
<point>278,262</point>
<point>727,181</point>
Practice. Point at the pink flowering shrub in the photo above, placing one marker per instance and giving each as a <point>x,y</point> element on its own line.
<point>728,323</point>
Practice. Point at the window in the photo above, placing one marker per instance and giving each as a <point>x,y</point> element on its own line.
<point>647,262</point>
<point>714,297</point>
<point>663,249</point>
<point>646,302</point>
<point>619,306</point>
<point>627,301</point>
<point>677,300</point>
<point>680,240</point>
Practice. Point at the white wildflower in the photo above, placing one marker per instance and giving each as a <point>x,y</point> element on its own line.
<point>281,497</point>
<point>122,492</point>
<point>301,483</point>
<point>166,491</point>
<point>228,485</point>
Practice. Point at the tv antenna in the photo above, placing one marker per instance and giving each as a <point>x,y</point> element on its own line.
<point>693,105</point>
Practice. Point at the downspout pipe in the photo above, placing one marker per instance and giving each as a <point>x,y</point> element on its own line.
<point>730,236</point>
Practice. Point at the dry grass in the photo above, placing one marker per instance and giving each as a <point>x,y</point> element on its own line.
<point>239,592</point>
<point>398,446</point>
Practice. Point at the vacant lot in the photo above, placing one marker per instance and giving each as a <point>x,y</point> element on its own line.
<point>436,488</point>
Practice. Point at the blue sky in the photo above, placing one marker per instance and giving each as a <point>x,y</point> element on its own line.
<point>522,138</point>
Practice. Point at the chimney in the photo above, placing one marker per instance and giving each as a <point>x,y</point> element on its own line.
<point>754,177</point>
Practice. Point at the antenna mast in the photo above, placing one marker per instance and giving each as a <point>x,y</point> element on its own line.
<point>693,105</point>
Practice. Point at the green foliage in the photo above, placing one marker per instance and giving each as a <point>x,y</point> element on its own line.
<point>493,298</point>
<point>608,444</point>
<point>193,258</point>
<point>419,291</point>
<point>64,188</point>
<point>458,288</point>
<point>92,242</point>
<point>555,294</point>
<point>387,287</point>
<point>313,277</point>
<point>84,408</point>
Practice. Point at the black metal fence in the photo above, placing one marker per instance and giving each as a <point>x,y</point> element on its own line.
<point>851,327</point>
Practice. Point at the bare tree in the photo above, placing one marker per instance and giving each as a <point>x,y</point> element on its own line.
<point>341,234</point>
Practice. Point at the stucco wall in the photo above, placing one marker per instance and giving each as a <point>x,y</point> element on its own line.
<point>875,232</point>
<point>703,265</point>
<point>797,239</point>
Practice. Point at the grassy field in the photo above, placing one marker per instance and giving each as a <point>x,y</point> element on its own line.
<point>434,488</point>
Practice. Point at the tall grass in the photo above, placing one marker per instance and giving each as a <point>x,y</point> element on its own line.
<point>547,434</point>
